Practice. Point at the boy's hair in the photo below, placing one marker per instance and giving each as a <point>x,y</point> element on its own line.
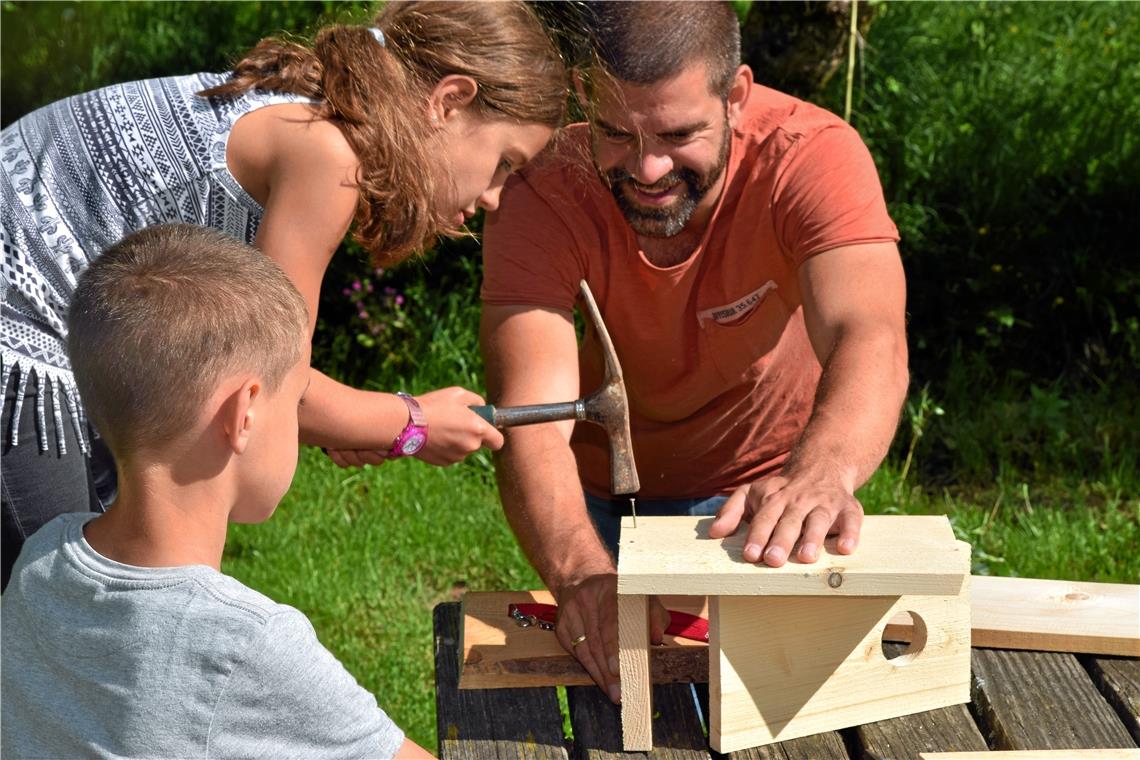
<point>646,42</point>
<point>163,315</point>
<point>375,93</point>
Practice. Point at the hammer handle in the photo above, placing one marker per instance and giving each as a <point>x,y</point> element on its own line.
<point>529,415</point>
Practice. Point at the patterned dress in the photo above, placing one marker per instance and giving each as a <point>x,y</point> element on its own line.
<point>80,174</point>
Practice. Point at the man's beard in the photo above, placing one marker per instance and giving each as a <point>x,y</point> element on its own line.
<point>666,221</point>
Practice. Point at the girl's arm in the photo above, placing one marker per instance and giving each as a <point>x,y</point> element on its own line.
<point>303,172</point>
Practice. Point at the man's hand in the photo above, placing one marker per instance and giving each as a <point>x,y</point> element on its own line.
<point>587,628</point>
<point>795,511</point>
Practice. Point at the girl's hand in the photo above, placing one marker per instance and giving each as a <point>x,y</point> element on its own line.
<point>454,431</point>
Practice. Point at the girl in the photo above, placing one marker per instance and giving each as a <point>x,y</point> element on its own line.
<point>403,128</point>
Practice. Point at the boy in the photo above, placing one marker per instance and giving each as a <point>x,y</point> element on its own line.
<point>120,635</point>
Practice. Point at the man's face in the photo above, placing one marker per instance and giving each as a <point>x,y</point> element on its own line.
<point>662,149</point>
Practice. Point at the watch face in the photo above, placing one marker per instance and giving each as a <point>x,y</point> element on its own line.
<point>413,443</point>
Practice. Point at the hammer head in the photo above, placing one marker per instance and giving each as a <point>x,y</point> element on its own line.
<point>608,406</point>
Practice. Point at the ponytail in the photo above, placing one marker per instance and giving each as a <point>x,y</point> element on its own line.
<point>376,93</point>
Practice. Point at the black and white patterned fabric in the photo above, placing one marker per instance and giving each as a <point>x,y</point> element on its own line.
<point>80,174</point>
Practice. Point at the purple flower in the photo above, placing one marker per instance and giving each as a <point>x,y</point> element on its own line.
<point>363,314</point>
<point>399,300</point>
<point>356,285</point>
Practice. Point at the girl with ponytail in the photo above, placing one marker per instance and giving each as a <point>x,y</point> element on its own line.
<point>399,131</point>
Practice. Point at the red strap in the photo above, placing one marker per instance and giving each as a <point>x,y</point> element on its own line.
<point>681,624</point>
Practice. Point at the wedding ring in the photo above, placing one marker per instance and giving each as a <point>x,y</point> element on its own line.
<point>575,642</point>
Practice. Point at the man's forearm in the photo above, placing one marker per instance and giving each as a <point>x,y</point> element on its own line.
<point>857,406</point>
<point>543,502</point>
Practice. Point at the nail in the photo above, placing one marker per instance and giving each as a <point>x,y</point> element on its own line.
<point>807,551</point>
<point>774,555</point>
<point>846,545</point>
<point>752,552</point>
<point>615,693</point>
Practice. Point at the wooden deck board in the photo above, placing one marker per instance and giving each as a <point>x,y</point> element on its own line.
<point>596,723</point>
<point>488,725</point>
<point>1119,681</point>
<point>1063,710</point>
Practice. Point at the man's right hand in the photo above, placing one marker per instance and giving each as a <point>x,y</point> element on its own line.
<point>587,627</point>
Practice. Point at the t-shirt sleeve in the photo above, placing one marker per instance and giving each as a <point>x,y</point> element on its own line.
<point>829,195</point>
<point>530,255</point>
<point>289,697</point>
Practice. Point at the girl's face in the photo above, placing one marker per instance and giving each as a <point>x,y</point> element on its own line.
<point>479,155</point>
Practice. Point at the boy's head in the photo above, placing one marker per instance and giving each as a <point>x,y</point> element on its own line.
<point>164,318</point>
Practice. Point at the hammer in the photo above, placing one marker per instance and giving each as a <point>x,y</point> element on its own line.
<point>608,406</point>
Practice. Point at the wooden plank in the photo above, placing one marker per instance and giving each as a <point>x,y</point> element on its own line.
<point>1043,754</point>
<point>497,653</point>
<point>1013,613</point>
<point>1051,616</point>
<point>485,725</point>
<point>596,723</point>
<point>785,667</point>
<point>827,745</point>
<point>1041,700</point>
<point>633,658</point>
<point>946,728</point>
<point>897,554</point>
<point>1119,681</point>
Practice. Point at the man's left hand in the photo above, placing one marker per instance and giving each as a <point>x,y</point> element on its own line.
<point>792,512</point>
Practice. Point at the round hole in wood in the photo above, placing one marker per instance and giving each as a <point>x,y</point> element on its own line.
<point>904,637</point>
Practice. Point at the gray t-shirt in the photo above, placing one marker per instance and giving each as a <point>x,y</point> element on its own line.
<point>105,659</point>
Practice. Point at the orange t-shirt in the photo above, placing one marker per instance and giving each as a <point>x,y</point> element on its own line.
<point>717,363</point>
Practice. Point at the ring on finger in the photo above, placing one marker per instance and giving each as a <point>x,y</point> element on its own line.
<point>577,640</point>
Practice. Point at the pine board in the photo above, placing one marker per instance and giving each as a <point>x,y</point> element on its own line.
<point>1051,616</point>
<point>819,666</point>
<point>897,554</point>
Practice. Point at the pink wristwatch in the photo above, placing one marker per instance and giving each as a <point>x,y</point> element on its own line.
<point>414,435</point>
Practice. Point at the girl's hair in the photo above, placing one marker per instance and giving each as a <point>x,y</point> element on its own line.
<point>376,93</point>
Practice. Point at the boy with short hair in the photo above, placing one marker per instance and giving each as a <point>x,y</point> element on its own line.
<point>120,635</point>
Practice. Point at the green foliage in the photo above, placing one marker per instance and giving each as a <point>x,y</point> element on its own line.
<point>1005,136</point>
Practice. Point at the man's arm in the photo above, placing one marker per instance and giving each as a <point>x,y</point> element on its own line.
<point>531,356</point>
<point>854,308</point>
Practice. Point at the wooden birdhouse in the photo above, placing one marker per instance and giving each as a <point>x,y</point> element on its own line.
<point>797,650</point>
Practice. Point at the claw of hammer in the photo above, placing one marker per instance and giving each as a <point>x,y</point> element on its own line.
<point>608,406</point>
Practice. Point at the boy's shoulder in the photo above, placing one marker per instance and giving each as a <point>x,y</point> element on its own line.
<point>57,559</point>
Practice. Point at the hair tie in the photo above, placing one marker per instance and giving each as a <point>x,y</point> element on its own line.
<point>377,35</point>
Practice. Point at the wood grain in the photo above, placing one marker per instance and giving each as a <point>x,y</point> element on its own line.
<point>1041,754</point>
<point>785,667</point>
<point>633,657</point>
<point>1061,710</point>
<point>487,725</point>
<point>897,554</point>
<point>1051,616</point>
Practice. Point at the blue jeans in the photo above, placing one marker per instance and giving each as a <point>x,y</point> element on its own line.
<point>607,513</point>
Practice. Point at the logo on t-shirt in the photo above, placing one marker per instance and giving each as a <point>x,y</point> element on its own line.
<point>736,310</point>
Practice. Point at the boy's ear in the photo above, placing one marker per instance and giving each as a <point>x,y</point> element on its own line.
<point>238,413</point>
<point>452,94</point>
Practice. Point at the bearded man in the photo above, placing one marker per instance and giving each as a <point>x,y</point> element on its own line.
<point>739,247</point>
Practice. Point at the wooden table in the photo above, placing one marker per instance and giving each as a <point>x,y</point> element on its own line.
<point>1020,700</point>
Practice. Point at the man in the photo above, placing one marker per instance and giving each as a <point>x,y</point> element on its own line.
<point>740,250</point>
